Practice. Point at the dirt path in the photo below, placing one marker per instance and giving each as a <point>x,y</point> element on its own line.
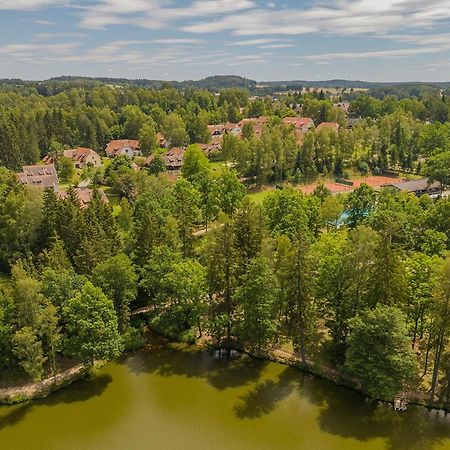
<point>41,388</point>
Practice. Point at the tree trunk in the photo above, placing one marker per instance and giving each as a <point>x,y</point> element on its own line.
<point>437,363</point>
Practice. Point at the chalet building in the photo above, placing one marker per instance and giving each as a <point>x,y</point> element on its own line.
<point>214,147</point>
<point>328,125</point>
<point>123,147</point>
<point>42,176</point>
<point>299,123</point>
<point>174,159</point>
<point>225,128</point>
<point>344,106</point>
<point>84,196</point>
<point>81,157</point>
<point>258,124</point>
<point>418,187</point>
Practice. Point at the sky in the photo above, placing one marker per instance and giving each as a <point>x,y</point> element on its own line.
<point>371,40</point>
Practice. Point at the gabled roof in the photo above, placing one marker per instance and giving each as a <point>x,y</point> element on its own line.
<point>416,185</point>
<point>328,125</point>
<point>84,196</point>
<point>298,122</point>
<point>79,154</point>
<point>222,128</point>
<point>44,176</point>
<point>174,157</point>
<point>114,147</point>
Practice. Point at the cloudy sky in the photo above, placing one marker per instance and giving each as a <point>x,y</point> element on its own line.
<point>374,40</point>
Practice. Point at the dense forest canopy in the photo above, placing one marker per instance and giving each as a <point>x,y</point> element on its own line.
<point>323,274</point>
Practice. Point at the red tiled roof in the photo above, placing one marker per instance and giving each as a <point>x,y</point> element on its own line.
<point>84,196</point>
<point>114,147</point>
<point>298,122</point>
<point>329,125</point>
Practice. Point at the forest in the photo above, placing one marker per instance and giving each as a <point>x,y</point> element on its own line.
<point>357,282</point>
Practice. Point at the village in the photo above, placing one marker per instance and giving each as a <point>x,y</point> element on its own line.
<point>45,175</point>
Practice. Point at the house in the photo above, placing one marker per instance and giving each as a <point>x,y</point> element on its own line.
<point>84,196</point>
<point>215,146</point>
<point>418,187</point>
<point>344,106</point>
<point>123,147</point>
<point>174,159</point>
<point>328,125</point>
<point>258,124</point>
<point>299,123</point>
<point>43,176</point>
<point>225,128</point>
<point>81,157</point>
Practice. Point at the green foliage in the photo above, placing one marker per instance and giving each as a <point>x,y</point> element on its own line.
<point>66,169</point>
<point>438,168</point>
<point>359,204</point>
<point>231,192</point>
<point>117,279</point>
<point>157,165</point>
<point>256,298</point>
<point>91,326</point>
<point>28,350</point>
<point>174,129</point>
<point>195,163</point>
<point>379,352</point>
<point>148,140</point>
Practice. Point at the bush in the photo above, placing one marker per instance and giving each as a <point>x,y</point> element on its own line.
<point>134,339</point>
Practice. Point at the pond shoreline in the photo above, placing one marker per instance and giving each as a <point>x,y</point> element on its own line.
<point>279,356</point>
<point>42,389</point>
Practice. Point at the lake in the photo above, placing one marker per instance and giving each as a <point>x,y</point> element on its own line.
<point>173,398</point>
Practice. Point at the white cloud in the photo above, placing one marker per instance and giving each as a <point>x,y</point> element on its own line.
<point>28,4</point>
<point>44,22</point>
<point>346,56</point>
<point>253,42</point>
<point>14,51</point>
<point>155,14</point>
<point>334,17</point>
<point>180,41</point>
<point>277,46</point>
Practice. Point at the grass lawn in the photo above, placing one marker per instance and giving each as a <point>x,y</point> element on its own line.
<point>259,195</point>
<point>217,167</point>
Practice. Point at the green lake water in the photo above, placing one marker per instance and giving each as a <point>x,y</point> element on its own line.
<point>176,399</point>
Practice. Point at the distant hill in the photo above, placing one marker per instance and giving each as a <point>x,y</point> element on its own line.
<point>211,83</point>
<point>218,82</point>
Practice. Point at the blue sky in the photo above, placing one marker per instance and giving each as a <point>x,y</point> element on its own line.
<point>374,40</point>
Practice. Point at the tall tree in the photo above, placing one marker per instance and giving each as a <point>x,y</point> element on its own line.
<point>28,350</point>
<point>91,326</point>
<point>117,279</point>
<point>442,321</point>
<point>255,298</point>
<point>379,352</point>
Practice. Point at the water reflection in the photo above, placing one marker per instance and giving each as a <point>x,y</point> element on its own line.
<point>343,412</point>
<point>191,400</point>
